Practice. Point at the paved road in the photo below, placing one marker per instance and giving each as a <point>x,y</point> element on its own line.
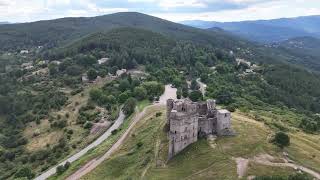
<point>169,93</point>
<point>202,86</point>
<point>76,156</point>
<point>97,161</point>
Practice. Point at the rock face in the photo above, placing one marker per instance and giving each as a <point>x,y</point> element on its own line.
<point>189,120</point>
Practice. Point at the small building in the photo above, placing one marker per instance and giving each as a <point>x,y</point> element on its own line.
<point>56,62</point>
<point>41,72</point>
<point>85,78</point>
<point>103,60</point>
<point>248,71</point>
<point>121,72</point>
<point>24,52</point>
<point>43,62</point>
<point>27,65</point>
<point>242,61</point>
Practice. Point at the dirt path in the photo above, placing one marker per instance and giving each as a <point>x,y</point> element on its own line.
<point>242,166</point>
<point>265,159</point>
<point>95,162</point>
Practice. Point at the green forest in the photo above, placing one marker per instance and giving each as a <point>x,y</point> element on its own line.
<point>275,85</point>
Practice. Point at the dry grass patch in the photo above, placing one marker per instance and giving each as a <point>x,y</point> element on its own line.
<point>41,141</point>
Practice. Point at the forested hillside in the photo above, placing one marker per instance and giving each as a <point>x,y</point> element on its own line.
<point>305,50</point>
<point>129,47</point>
<point>46,88</point>
<point>62,31</point>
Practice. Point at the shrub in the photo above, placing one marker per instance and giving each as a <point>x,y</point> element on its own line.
<point>129,106</point>
<point>195,96</point>
<point>158,114</point>
<point>139,144</point>
<point>140,93</point>
<point>114,132</point>
<point>60,169</point>
<point>92,74</point>
<point>24,172</point>
<point>231,108</point>
<point>281,139</point>
<point>87,125</point>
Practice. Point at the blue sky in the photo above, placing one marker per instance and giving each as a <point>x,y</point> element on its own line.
<point>174,10</point>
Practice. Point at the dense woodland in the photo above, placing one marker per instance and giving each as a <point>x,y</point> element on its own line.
<point>274,85</point>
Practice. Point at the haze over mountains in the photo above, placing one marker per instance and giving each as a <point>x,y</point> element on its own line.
<point>267,31</point>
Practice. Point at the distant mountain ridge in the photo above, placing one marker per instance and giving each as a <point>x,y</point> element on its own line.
<point>4,23</point>
<point>53,33</point>
<point>267,31</point>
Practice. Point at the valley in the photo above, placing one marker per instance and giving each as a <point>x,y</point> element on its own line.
<point>85,98</point>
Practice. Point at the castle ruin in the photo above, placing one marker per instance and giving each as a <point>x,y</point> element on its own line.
<point>190,120</point>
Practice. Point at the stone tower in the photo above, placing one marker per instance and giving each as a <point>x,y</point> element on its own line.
<point>189,120</point>
<point>183,120</point>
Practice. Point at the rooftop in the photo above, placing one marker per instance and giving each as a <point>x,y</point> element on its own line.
<point>223,111</point>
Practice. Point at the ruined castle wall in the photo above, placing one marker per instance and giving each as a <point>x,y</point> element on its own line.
<point>170,103</point>
<point>187,120</point>
<point>183,132</point>
<point>204,126</point>
<point>223,122</point>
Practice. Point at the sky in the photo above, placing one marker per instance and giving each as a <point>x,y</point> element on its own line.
<point>173,10</point>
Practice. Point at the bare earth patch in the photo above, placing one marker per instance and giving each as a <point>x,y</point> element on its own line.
<point>100,127</point>
<point>242,166</point>
<point>268,160</point>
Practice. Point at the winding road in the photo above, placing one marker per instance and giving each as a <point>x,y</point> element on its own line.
<point>79,154</point>
<point>97,161</point>
<point>202,86</point>
<point>169,93</point>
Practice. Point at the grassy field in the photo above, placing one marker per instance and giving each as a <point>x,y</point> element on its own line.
<point>144,153</point>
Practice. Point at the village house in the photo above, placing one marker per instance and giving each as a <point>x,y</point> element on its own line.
<point>103,60</point>
<point>121,72</point>
<point>85,78</point>
<point>56,62</point>
<point>27,66</point>
<point>24,52</point>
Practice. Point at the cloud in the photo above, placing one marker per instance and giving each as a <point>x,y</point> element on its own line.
<point>167,4</point>
<point>175,10</point>
<point>266,10</point>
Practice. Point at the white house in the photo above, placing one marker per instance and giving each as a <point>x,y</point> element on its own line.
<point>56,62</point>
<point>24,52</point>
<point>102,60</point>
<point>120,72</point>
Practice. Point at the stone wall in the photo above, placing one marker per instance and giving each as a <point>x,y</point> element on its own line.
<point>187,120</point>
